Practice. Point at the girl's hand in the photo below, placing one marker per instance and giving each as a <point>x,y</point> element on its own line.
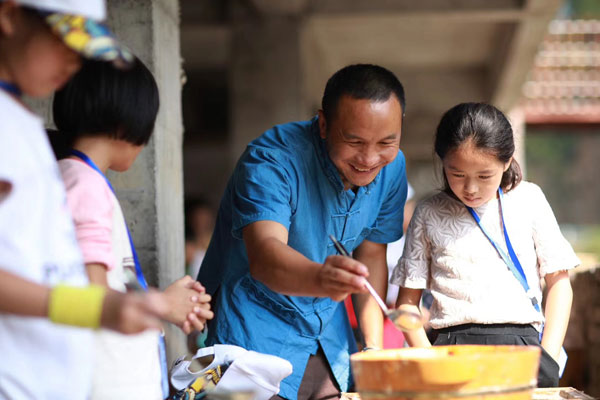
<point>408,300</point>
<point>189,305</point>
<point>133,312</point>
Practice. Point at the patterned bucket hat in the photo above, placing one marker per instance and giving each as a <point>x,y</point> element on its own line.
<point>77,23</point>
<point>89,38</point>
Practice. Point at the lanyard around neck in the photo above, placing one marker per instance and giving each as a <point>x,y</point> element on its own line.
<point>138,268</point>
<point>10,88</point>
<point>511,260</point>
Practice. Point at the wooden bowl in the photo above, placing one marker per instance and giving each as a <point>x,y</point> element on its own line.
<point>447,372</point>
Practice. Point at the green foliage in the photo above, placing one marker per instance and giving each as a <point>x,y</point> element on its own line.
<point>585,9</point>
<point>553,162</point>
<point>549,157</point>
<point>590,240</point>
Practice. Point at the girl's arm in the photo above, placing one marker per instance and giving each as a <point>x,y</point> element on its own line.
<point>97,274</point>
<point>408,299</point>
<point>188,304</point>
<point>557,311</point>
<point>126,313</point>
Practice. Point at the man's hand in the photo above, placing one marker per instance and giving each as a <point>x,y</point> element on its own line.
<point>189,305</point>
<point>285,270</point>
<point>341,276</point>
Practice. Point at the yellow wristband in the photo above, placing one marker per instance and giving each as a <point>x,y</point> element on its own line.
<point>77,306</point>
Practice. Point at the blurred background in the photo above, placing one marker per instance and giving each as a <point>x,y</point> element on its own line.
<point>251,64</point>
<point>228,70</point>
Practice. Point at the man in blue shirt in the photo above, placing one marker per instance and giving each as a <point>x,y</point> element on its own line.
<point>274,272</point>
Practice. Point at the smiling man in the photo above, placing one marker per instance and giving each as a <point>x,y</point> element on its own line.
<point>271,267</point>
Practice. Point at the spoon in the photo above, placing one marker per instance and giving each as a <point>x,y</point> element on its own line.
<point>404,320</point>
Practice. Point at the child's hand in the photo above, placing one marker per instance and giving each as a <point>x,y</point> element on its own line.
<point>189,305</point>
<point>133,312</point>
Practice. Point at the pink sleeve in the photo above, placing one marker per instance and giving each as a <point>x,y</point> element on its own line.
<point>91,204</point>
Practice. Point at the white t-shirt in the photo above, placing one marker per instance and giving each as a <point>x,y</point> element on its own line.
<point>40,359</point>
<point>127,366</point>
<point>393,254</point>
<point>447,252</point>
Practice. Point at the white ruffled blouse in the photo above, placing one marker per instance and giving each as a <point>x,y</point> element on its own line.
<point>447,252</point>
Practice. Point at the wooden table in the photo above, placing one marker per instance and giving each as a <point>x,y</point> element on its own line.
<point>561,393</point>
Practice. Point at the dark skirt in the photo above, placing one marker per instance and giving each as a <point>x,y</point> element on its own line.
<point>502,334</point>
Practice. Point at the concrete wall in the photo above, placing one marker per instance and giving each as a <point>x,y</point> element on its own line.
<point>266,79</point>
<point>151,192</point>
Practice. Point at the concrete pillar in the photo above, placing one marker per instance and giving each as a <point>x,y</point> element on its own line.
<point>151,192</point>
<point>265,75</point>
<point>516,116</point>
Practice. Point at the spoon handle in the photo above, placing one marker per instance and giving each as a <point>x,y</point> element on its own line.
<point>376,297</point>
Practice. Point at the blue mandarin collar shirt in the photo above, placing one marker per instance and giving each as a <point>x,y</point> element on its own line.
<point>286,176</point>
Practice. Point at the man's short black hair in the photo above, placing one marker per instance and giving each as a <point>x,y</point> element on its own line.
<point>101,99</point>
<point>361,81</point>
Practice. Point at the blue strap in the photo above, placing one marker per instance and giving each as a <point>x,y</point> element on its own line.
<point>10,88</point>
<point>164,374</point>
<point>162,353</point>
<point>511,260</point>
<point>138,268</point>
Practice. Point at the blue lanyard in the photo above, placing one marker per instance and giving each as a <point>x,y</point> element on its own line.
<point>11,88</point>
<point>140,276</point>
<point>138,268</point>
<point>511,260</point>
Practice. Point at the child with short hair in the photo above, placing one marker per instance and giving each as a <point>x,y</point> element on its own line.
<point>105,116</point>
<point>483,244</point>
<point>42,279</point>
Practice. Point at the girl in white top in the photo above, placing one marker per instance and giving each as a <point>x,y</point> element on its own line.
<point>105,116</point>
<point>477,297</point>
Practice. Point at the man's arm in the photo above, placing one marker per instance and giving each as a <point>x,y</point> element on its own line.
<point>368,313</point>
<point>286,271</point>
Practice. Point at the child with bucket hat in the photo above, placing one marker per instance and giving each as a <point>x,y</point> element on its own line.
<point>43,286</point>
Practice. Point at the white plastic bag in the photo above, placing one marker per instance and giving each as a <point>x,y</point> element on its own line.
<point>182,374</point>
<point>248,371</point>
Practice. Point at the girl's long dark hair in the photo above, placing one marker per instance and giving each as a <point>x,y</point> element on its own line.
<point>487,128</point>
